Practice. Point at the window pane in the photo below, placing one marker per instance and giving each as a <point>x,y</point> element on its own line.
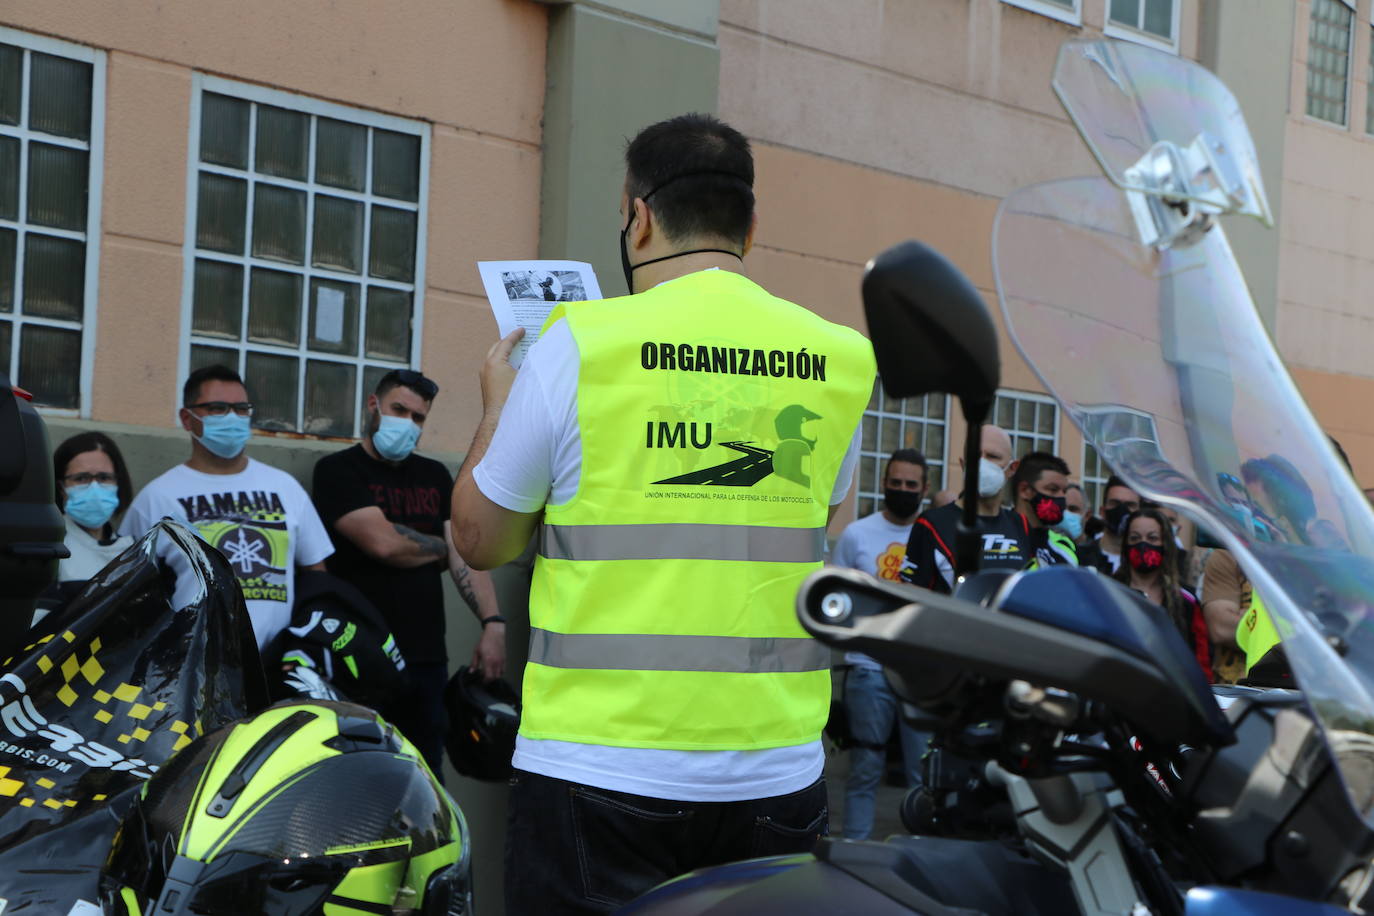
<point>338,234</point>
<point>1126,12</point>
<point>868,473</point>
<point>54,277</point>
<point>271,382</point>
<point>274,307</point>
<point>224,130</point>
<point>1328,60</point>
<point>7,242</point>
<point>220,216</point>
<point>279,223</point>
<point>371,376</point>
<point>329,398</point>
<point>6,329</point>
<point>1025,416</point>
<point>393,244</point>
<point>868,440</point>
<point>60,96</point>
<point>934,446</point>
<point>50,364</point>
<point>340,154</point>
<point>333,317</point>
<point>1044,420</point>
<point>388,324</point>
<point>396,165</point>
<point>281,142</point>
<point>1159,18</point>
<point>891,438</point>
<point>57,186</point>
<point>213,356</point>
<point>9,178</point>
<point>217,302</point>
<point>1006,413</point>
<point>11,73</point>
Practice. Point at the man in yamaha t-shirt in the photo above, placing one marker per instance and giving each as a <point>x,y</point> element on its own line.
<point>929,560</point>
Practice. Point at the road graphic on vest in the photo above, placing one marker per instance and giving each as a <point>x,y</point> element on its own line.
<point>756,464</point>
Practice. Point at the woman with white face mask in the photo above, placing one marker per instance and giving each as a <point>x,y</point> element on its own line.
<point>93,489</point>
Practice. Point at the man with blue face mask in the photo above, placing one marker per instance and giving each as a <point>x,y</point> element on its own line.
<point>388,510</point>
<point>259,517</point>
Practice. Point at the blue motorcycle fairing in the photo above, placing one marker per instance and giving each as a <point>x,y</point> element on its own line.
<point>1102,609</point>
<point>1229,901</point>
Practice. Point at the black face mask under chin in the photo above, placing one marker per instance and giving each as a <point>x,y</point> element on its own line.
<point>629,269</point>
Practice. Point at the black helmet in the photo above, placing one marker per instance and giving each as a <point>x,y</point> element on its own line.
<point>483,718</point>
<point>307,803</point>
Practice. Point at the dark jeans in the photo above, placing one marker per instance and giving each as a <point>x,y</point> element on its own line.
<point>420,714</point>
<point>576,849</point>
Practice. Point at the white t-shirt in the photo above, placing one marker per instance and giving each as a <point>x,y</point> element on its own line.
<point>535,459</point>
<point>88,556</point>
<point>261,520</point>
<point>875,546</point>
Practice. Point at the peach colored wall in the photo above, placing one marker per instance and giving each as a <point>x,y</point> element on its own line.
<point>1341,405</point>
<point>1325,314</point>
<point>474,69</point>
<point>874,121</point>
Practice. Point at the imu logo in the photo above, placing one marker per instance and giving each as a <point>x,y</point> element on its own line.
<point>681,434</point>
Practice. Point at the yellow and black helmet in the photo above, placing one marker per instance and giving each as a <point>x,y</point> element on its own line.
<point>309,807</point>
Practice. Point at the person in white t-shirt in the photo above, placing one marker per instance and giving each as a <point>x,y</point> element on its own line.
<point>257,516</point>
<point>594,823</point>
<point>876,544</point>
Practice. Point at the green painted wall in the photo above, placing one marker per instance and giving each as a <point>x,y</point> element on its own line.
<point>611,73</point>
<point>1253,55</point>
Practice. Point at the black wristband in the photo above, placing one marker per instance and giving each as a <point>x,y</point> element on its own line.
<point>494,618</point>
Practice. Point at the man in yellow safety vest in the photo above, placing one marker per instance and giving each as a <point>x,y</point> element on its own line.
<point>684,447</point>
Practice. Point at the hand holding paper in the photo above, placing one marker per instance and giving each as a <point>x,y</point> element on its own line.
<point>523,293</point>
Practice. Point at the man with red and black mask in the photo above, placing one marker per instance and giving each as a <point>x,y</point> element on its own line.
<point>1118,502</point>
<point>1039,484</point>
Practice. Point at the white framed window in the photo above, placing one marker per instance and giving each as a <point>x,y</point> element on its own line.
<point>1094,477</point>
<point>305,250</point>
<point>1369,83</point>
<point>1330,32</point>
<point>52,126</point>
<point>1031,420</point>
<point>1150,22</point>
<point>921,423</point>
<point>1070,11</point>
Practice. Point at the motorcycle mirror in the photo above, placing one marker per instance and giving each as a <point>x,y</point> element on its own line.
<point>932,331</point>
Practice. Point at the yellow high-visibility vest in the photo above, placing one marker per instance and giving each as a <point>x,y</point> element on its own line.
<point>714,418</point>
<point>1256,633</point>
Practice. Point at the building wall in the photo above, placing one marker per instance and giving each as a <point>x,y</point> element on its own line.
<point>880,120</point>
<point>1325,326</point>
<point>437,63</point>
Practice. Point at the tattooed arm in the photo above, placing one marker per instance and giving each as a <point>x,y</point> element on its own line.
<point>478,590</point>
<point>395,545</point>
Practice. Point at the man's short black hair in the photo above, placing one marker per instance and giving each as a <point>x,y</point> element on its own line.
<point>1114,481</point>
<point>417,382</point>
<point>1032,465</point>
<point>910,456</point>
<point>696,173</point>
<point>190,392</point>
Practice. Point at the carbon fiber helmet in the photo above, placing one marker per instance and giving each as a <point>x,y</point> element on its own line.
<point>309,807</point>
<point>483,717</point>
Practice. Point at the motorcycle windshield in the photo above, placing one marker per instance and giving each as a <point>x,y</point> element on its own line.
<point>1136,107</point>
<point>1159,357</point>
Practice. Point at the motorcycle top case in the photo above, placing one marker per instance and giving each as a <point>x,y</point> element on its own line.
<point>139,664</point>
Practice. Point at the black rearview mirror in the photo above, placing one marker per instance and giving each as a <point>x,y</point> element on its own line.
<point>932,331</point>
<point>930,328</point>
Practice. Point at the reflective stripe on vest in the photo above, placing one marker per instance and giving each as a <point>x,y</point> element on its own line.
<point>641,652</point>
<point>682,542</point>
